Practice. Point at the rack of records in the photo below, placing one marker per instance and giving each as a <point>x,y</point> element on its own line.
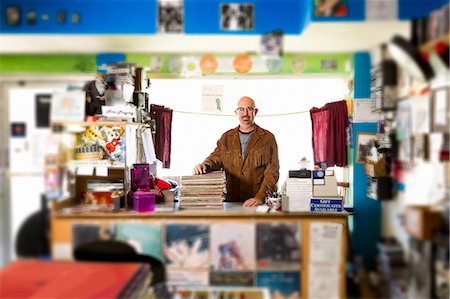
<point>205,191</point>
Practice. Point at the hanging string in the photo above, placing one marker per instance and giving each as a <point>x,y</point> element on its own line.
<point>259,115</point>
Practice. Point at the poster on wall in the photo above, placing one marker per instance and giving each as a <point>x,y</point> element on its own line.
<point>280,284</point>
<point>42,110</point>
<point>212,98</point>
<point>323,239</point>
<point>67,106</point>
<point>170,16</point>
<point>236,16</point>
<point>323,288</point>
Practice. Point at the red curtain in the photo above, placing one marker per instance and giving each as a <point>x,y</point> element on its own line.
<point>163,137</point>
<point>329,129</point>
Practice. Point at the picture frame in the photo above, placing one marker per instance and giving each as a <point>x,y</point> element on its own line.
<point>237,17</point>
<point>363,140</point>
<point>440,109</point>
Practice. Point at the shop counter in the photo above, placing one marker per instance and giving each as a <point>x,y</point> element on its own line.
<point>322,236</point>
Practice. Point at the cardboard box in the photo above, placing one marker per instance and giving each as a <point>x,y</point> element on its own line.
<point>376,169</point>
<point>422,222</point>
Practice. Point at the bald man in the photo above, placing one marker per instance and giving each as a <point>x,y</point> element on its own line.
<point>249,156</point>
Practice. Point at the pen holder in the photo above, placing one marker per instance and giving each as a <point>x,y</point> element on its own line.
<point>143,201</point>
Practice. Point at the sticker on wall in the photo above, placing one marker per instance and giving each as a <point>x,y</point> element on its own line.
<point>208,64</point>
<point>18,129</point>
<point>155,64</point>
<point>190,66</point>
<point>174,65</point>
<point>170,16</point>
<point>274,65</point>
<point>242,63</point>
<point>236,16</point>
<point>298,64</point>
<point>330,8</point>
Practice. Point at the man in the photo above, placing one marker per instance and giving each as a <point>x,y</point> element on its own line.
<point>249,156</point>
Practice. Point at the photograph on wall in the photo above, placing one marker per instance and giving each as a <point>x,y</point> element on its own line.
<point>170,16</point>
<point>236,16</point>
<point>330,8</point>
<point>278,246</point>
<point>365,142</point>
<point>187,246</point>
<point>232,247</point>
<point>271,44</point>
<point>280,284</point>
<point>242,279</point>
<point>144,238</point>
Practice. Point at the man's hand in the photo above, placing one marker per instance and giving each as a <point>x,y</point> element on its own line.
<point>252,202</point>
<point>199,169</point>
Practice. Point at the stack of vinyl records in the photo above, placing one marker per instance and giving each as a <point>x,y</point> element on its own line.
<point>204,191</point>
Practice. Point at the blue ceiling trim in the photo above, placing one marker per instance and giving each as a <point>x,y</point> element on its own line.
<point>413,9</point>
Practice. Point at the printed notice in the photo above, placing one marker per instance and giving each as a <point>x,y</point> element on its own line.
<point>325,242</point>
<point>299,191</point>
<point>362,111</point>
<point>323,281</point>
<point>212,98</point>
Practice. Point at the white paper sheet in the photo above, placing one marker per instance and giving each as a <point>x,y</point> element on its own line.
<point>362,111</point>
<point>299,192</point>
<point>62,251</point>
<point>130,145</point>
<point>323,281</point>
<point>85,170</point>
<point>212,98</point>
<point>149,148</point>
<point>101,171</point>
<point>325,242</point>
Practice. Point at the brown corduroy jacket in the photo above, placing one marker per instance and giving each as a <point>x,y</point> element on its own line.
<point>251,176</point>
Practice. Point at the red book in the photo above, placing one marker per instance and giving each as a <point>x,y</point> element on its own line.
<point>50,279</point>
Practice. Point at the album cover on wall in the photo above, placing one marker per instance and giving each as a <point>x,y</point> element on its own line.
<point>278,246</point>
<point>83,233</point>
<point>281,284</point>
<point>232,247</point>
<point>170,16</point>
<point>236,16</point>
<point>144,238</point>
<point>187,246</point>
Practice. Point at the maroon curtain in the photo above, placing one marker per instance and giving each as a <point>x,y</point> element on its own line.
<point>329,129</point>
<point>163,137</point>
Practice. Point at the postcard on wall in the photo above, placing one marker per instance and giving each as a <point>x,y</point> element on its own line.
<point>232,279</point>
<point>144,238</point>
<point>212,98</point>
<point>323,280</point>
<point>187,277</point>
<point>232,247</point>
<point>278,246</point>
<point>325,242</point>
<point>68,106</point>
<point>280,284</point>
<point>187,246</point>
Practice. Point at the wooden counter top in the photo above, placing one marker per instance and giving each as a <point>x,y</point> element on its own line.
<point>229,210</point>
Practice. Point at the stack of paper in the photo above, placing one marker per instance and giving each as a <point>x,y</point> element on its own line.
<point>202,191</point>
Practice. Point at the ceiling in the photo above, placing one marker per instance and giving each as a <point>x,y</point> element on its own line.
<point>317,37</point>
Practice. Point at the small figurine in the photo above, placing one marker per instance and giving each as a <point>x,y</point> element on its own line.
<point>95,95</point>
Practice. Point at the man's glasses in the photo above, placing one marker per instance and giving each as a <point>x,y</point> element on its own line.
<point>241,110</point>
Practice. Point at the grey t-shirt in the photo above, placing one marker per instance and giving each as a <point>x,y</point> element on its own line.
<point>244,138</point>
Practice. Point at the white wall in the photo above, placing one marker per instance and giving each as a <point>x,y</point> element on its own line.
<point>194,135</point>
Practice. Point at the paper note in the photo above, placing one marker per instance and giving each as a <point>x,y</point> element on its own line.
<point>101,171</point>
<point>149,148</point>
<point>325,242</point>
<point>323,281</point>
<point>85,170</point>
<point>299,191</point>
<point>212,98</point>
<point>362,111</point>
